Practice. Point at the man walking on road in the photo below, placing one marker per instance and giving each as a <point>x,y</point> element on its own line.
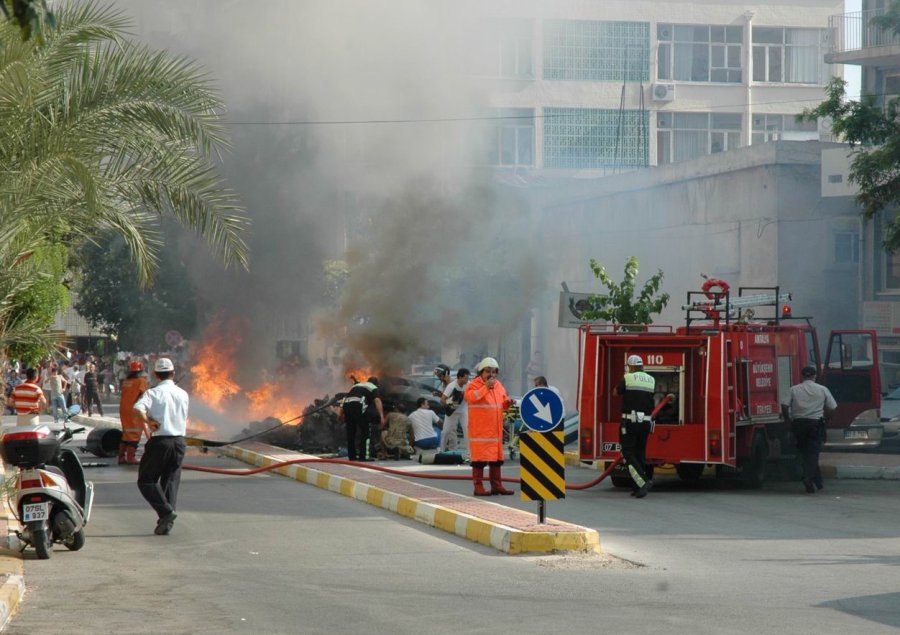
<point>808,407</point>
<point>636,389</point>
<point>163,410</point>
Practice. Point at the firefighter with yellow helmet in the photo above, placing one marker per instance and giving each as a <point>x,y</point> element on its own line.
<point>487,400</point>
<point>636,390</point>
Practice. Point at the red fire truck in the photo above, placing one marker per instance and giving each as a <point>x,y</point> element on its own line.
<point>726,370</point>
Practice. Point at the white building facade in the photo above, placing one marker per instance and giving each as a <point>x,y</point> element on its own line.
<point>595,87</point>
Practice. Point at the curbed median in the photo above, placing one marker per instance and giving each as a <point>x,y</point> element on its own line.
<point>512,531</point>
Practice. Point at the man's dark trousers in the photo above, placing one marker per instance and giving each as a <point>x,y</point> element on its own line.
<point>807,432</point>
<point>159,474</point>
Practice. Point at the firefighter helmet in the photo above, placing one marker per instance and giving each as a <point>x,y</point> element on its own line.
<point>487,362</point>
<point>135,367</point>
<point>635,360</point>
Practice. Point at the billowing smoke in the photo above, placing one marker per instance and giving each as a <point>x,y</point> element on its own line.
<point>438,253</point>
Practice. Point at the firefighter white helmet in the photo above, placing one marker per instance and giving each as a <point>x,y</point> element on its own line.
<point>487,362</point>
<point>635,360</point>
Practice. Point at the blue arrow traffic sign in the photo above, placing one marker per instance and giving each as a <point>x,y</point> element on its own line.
<point>541,409</point>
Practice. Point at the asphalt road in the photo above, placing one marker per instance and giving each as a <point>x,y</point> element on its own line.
<point>265,554</point>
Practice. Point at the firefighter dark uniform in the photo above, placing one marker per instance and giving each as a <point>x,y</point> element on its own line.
<point>359,410</point>
<point>636,389</point>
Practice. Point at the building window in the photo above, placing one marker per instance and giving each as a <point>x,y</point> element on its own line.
<point>687,135</point>
<point>504,49</point>
<point>695,53</point>
<point>594,138</point>
<point>588,50</point>
<point>789,56</point>
<point>846,247</point>
<point>512,138</point>
<point>777,127</point>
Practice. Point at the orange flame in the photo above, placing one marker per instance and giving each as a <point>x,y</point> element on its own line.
<point>215,383</point>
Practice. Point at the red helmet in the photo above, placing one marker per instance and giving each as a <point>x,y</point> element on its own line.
<point>135,367</point>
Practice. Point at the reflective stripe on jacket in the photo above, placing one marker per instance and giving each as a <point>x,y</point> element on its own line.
<point>485,420</point>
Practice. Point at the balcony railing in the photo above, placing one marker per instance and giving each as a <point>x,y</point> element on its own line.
<point>854,31</point>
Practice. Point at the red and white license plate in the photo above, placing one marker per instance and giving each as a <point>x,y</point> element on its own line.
<point>35,511</point>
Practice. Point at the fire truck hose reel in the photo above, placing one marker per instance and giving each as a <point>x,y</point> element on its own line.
<point>720,285</point>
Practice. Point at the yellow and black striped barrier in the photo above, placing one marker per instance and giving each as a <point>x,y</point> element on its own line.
<point>542,465</point>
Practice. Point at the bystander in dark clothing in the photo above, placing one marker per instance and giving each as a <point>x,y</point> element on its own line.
<point>91,391</point>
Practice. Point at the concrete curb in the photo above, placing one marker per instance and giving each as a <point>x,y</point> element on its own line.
<point>12,570</point>
<point>869,472</point>
<point>487,533</point>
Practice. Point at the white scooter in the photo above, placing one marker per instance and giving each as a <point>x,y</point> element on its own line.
<point>52,498</point>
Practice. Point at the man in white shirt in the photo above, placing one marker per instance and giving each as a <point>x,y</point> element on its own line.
<point>808,407</point>
<point>453,399</point>
<point>163,410</point>
<point>423,419</point>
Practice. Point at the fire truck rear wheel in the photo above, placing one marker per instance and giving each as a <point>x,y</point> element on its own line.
<point>689,472</point>
<point>755,468</point>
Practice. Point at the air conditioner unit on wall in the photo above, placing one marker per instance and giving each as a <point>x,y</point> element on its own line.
<point>663,92</point>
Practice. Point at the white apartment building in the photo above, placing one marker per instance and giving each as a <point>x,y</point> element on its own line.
<point>597,87</point>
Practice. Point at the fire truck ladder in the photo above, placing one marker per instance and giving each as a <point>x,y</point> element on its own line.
<point>723,305</point>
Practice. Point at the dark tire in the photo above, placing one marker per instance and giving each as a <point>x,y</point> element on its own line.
<point>40,539</point>
<point>76,542</point>
<point>754,473</point>
<point>624,482</point>
<point>689,472</point>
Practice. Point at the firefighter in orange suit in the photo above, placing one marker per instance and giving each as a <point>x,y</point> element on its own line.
<point>133,386</point>
<point>487,400</point>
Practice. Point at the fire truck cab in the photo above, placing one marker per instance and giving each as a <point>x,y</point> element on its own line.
<point>725,374</point>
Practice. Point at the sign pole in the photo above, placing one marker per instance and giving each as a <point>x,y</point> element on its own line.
<point>542,456</point>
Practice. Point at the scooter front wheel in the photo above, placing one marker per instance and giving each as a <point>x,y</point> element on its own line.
<point>40,539</point>
<point>76,542</point>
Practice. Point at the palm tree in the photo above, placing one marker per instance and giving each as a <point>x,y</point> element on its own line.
<point>100,134</point>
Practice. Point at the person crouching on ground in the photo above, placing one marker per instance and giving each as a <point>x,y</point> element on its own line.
<point>163,410</point>
<point>487,400</point>
<point>424,420</point>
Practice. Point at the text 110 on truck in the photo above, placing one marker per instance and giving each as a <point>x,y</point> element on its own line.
<point>728,371</point>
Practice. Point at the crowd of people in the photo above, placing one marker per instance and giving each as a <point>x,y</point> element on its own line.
<point>72,378</point>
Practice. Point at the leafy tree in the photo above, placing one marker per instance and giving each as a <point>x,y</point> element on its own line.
<point>97,135</point>
<point>107,134</point>
<point>112,300</point>
<point>874,135</point>
<point>619,305</point>
<point>29,15</point>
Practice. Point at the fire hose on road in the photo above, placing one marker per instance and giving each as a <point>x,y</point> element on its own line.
<point>388,470</point>
<point>379,468</point>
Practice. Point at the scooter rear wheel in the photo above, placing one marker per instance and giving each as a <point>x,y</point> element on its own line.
<point>76,542</point>
<point>40,539</point>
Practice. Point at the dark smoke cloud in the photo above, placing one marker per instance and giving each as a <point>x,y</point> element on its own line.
<point>438,252</point>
